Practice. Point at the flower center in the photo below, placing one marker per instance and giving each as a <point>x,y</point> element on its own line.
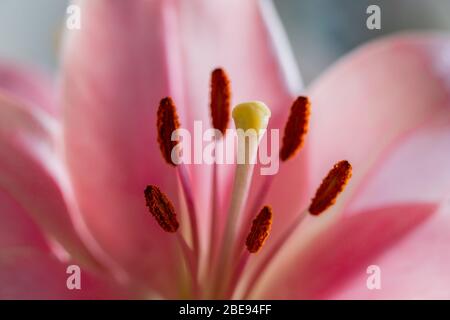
<point>243,235</point>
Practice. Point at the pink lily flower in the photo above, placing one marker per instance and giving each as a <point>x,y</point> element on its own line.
<point>72,173</point>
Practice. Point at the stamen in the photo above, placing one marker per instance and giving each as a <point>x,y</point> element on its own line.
<point>331,187</point>
<point>220,99</point>
<point>260,230</point>
<point>258,234</point>
<point>220,114</point>
<point>296,128</point>
<point>161,208</point>
<point>167,123</point>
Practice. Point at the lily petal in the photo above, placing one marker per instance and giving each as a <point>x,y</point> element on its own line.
<point>32,87</point>
<point>360,107</point>
<point>30,274</point>
<point>28,269</point>
<point>416,168</point>
<point>317,269</point>
<point>16,227</point>
<point>116,70</point>
<point>29,172</point>
<point>384,225</point>
<point>415,268</point>
<point>372,97</point>
<point>126,57</point>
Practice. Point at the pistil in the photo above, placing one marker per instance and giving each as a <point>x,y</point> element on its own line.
<point>251,120</point>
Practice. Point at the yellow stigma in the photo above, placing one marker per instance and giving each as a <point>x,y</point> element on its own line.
<point>251,115</point>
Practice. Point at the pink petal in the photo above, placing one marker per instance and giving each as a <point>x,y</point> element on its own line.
<point>30,274</point>
<point>344,249</point>
<point>124,60</point>
<point>372,97</point>
<point>360,107</point>
<point>16,227</point>
<point>410,183</point>
<point>115,73</point>
<point>27,268</point>
<point>30,86</point>
<point>415,268</point>
<point>30,172</point>
<point>416,168</point>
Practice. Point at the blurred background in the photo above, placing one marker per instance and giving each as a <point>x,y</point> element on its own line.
<point>320,31</point>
